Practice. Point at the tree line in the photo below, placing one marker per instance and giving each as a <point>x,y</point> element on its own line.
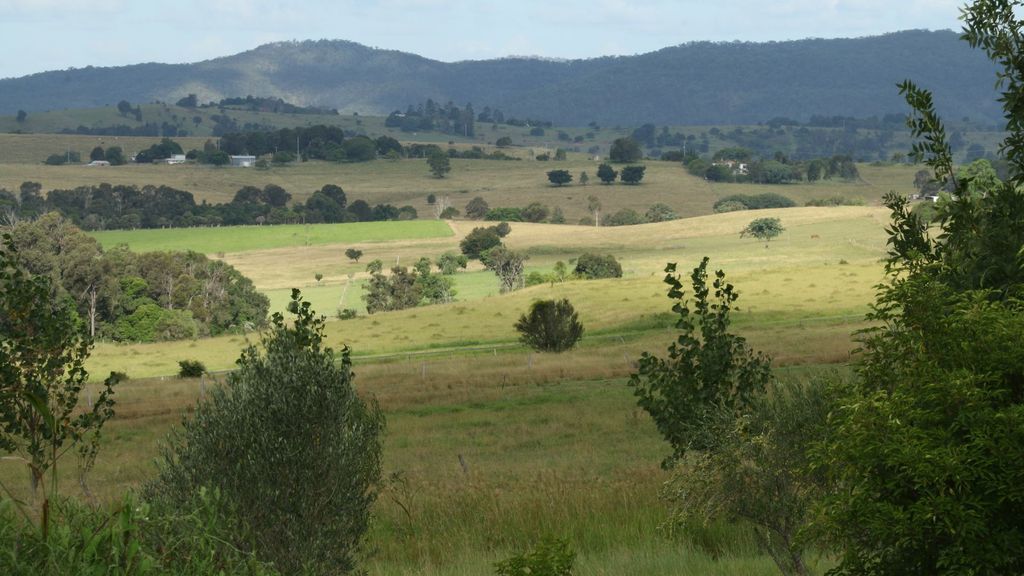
<point>124,296</point>
<point>128,207</point>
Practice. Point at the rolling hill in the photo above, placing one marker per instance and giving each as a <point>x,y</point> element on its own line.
<point>694,83</point>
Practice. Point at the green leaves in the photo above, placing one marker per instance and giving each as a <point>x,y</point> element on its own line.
<point>706,370</point>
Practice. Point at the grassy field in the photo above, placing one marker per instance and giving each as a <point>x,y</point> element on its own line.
<point>500,183</point>
<point>490,447</point>
<point>248,238</point>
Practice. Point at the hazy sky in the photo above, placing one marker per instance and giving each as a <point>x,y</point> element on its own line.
<point>39,35</point>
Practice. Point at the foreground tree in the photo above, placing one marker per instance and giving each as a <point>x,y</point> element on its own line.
<point>550,326</point>
<point>920,443</point>
<point>42,374</point>
<point>707,370</point>
<point>294,451</point>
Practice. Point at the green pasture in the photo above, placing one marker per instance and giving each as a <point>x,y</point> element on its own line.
<point>490,446</point>
<point>245,238</point>
<point>823,268</point>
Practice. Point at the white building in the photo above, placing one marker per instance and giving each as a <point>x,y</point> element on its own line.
<point>243,161</point>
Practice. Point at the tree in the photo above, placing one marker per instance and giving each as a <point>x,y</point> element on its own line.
<point>375,267</point>
<point>594,266</point>
<point>763,229</point>
<point>439,164</point>
<point>478,241</point>
<point>353,254</point>
<point>550,326</point>
<point>594,206</point>
<point>22,115</point>
<point>584,179</point>
<point>42,374</point>
<point>449,263</point>
<point>503,142</point>
<point>633,174</point>
<point>97,153</point>
<point>396,291</point>
<point>124,107</point>
<point>190,101</point>
<point>318,277</point>
<point>606,174</point>
<point>559,177</point>
<point>477,208</point>
<point>535,212</point>
<point>115,155</point>
<point>758,471</point>
<point>660,213</point>
<point>507,265</point>
<point>706,370</point>
<point>919,442</point>
<point>625,150</point>
<point>289,411</point>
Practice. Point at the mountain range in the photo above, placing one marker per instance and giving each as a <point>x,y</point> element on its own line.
<point>693,83</point>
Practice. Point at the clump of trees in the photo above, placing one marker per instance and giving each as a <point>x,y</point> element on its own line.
<point>133,297</point>
<point>734,202</point>
<point>404,288</point>
<point>591,266</point>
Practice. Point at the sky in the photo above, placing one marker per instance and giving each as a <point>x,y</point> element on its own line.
<point>40,35</point>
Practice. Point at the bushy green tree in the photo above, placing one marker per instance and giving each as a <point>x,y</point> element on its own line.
<point>559,177</point>
<point>42,373</point>
<point>593,266</point>
<point>632,174</point>
<point>607,174</point>
<point>550,326</point>
<point>290,445</point>
<point>477,208</point>
<point>439,164</point>
<point>763,229</point>
<point>707,370</point>
<point>478,241</point>
<point>449,263</point>
<point>625,150</point>
<point>919,445</point>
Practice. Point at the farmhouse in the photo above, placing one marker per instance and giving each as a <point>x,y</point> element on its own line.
<point>243,161</point>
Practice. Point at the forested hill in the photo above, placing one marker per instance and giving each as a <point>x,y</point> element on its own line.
<point>695,83</point>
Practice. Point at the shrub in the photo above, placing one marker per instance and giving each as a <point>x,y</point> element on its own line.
<point>550,326</point>
<point>835,201</point>
<point>449,213</point>
<point>594,266</point>
<point>551,557</point>
<point>293,449</point>
<point>535,212</point>
<point>625,217</point>
<point>477,208</point>
<point>191,368</point>
<point>346,314</point>
<point>508,214</point>
<point>730,206</point>
<point>756,201</point>
<point>660,213</point>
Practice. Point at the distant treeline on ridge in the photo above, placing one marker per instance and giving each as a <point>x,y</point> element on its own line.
<point>124,207</point>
